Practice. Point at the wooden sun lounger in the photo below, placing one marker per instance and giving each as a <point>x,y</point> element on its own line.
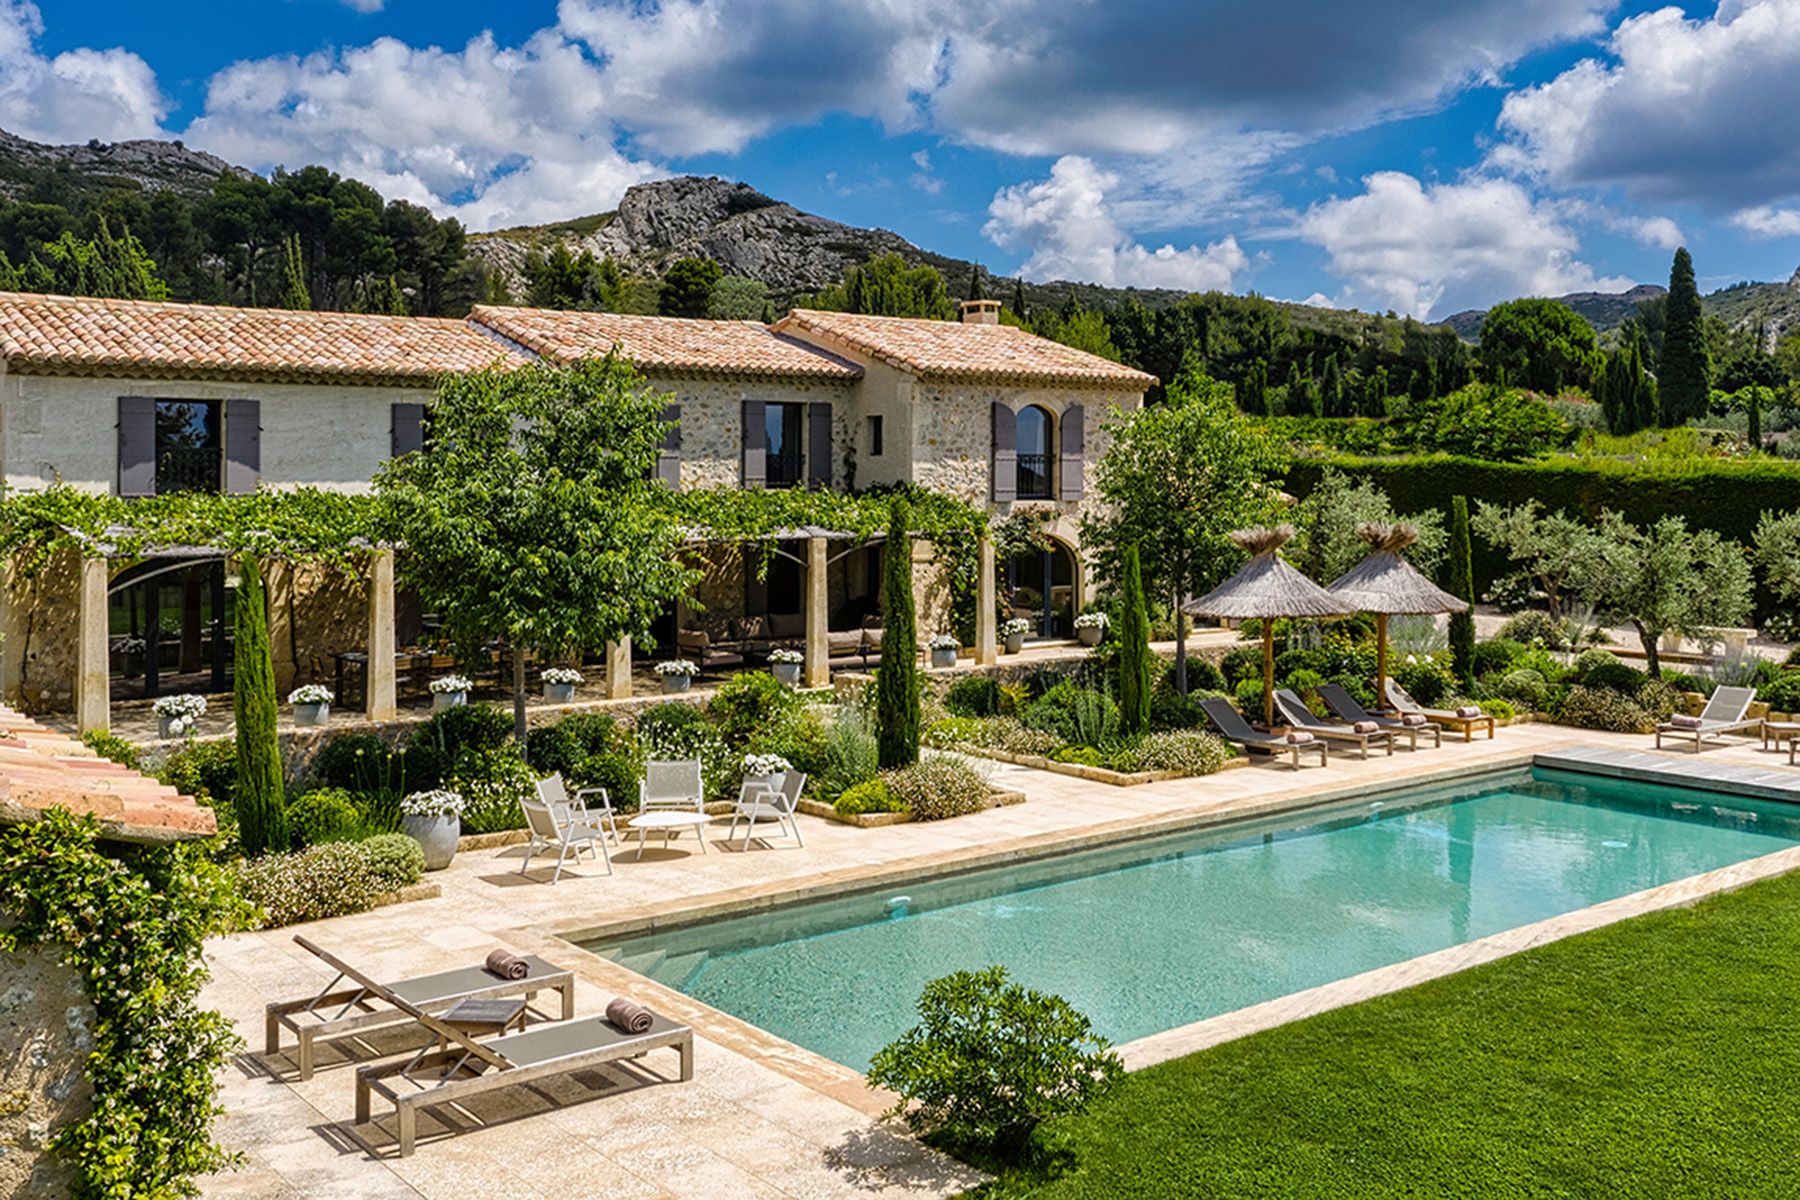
<point>1724,713</point>
<point>334,1012</point>
<point>1295,710</point>
<point>1396,696</point>
<point>1233,728</point>
<point>1348,708</point>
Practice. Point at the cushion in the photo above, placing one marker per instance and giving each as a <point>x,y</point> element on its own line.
<point>872,640</point>
<point>872,621</point>
<point>745,629</point>
<point>844,642</point>
<point>786,625</point>
<point>693,639</point>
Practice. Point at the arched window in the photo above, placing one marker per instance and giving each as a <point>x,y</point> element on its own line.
<point>1035,455</point>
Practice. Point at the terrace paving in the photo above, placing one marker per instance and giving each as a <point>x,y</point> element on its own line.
<point>762,1118</point>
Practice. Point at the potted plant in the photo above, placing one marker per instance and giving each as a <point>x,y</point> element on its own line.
<point>1014,631</point>
<point>434,820</point>
<point>560,684</point>
<point>943,649</point>
<point>312,704</point>
<point>785,664</point>
<point>677,674</point>
<point>1090,627</point>
<point>177,715</point>
<point>451,691</point>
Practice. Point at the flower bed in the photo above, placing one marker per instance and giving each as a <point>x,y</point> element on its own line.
<point>1093,774</point>
<point>996,798</point>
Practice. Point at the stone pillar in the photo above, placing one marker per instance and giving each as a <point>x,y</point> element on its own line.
<point>817,670</point>
<point>378,695</point>
<point>618,669</point>
<point>93,698</point>
<point>987,647</point>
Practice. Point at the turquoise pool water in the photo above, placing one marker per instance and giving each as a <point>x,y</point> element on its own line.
<point>1156,934</point>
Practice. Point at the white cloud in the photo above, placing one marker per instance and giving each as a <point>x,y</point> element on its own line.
<point>365,6</point>
<point>925,178</point>
<point>1691,110</point>
<point>1434,250</point>
<point>1065,223</point>
<point>76,95</point>
<point>1767,221</point>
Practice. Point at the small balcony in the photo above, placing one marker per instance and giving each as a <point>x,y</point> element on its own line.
<point>1034,477</point>
<point>784,470</point>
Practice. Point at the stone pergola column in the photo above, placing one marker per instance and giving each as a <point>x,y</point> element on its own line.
<point>987,642</point>
<point>93,697</point>
<point>618,669</point>
<point>817,669</point>
<point>378,692</point>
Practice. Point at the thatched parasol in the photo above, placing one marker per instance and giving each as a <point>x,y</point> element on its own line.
<point>1267,588</point>
<point>1387,585</point>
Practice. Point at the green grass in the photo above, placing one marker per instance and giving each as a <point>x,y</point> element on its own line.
<point>1656,1058</point>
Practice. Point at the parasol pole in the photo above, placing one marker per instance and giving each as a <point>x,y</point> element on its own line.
<point>1381,700</point>
<point>1269,671</point>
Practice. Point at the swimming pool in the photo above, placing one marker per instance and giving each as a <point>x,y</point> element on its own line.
<point>1154,934</point>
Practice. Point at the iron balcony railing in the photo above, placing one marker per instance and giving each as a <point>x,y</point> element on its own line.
<point>783,470</point>
<point>188,469</point>
<point>1034,477</point>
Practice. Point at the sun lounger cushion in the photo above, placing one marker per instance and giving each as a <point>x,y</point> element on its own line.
<point>1684,721</point>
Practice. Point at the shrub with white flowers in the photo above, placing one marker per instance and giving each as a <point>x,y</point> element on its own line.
<point>791,657</point>
<point>182,712</point>
<point>439,802</point>
<point>1092,619</point>
<point>1017,626</point>
<point>568,676</point>
<point>759,766</point>
<point>945,641</point>
<point>677,666</point>
<point>310,693</point>
<point>449,685</point>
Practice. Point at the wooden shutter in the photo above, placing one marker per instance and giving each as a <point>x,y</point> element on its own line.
<point>243,445</point>
<point>668,456</point>
<point>406,429</point>
<point>756,446</point>
<point>818,446</point>
<point>1006,453</point>
<point>137,446</point>
<point>1069,476</point>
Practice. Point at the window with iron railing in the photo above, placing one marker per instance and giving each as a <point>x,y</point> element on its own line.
<point>785,464</point>
<point>189,451</point>
<point>1034,477</point>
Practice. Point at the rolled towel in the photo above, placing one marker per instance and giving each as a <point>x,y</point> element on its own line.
<point>1366,727</point>
<point>1298,737</point>
<point>1684,721</point>
<point>507,965</point>
<point>632,1018</point>
<point>1412,718</point>
<point>1468,710</point>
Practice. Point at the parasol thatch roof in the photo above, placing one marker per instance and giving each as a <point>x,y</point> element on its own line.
<point>1267,586</point>
<point>1386,583</point>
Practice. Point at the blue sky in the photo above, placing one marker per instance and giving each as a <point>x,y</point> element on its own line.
<point>1418,155</point>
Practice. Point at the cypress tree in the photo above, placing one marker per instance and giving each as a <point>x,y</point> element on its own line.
<point>976,291</point>
<point>1134,650</point>
<point>1462,586</point>
<point>294,293</point>
<point>1295,404</point>
<point>897,680</point>
<point>1686,374</point>
<point>1333,388</point>
<point>262,819</point>
<point>1255,398</point>
<point>1018,304</point>
<point>1754,435</point>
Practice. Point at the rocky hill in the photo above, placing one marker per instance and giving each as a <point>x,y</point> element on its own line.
<point>97,166</point>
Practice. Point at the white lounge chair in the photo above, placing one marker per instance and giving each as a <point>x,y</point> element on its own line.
<point>672,786</point>
<point>757,800</point>
<point>1724,713</point>
<point>552,790</point>
<point>560,827</point>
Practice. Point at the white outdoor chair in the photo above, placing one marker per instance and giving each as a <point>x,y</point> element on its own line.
<point>553,791</point>
<point>756,799</point>
<point>560,828</point>
<point>672,786</point>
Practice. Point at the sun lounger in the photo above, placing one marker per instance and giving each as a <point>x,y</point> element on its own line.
<point>333,1012</point>
<point>1396,696</point>
<point>1724,713</point>
<point>1289,705</point>
<point>1348,708</point>
<point>1233,728</point>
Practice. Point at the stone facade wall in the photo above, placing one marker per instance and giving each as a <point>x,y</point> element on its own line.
<point>39,622</point>
<point>314,613</point>
<point>712,423</point>
<point>46,1028</point>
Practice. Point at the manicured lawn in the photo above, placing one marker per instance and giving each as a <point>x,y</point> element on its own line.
<point>1656,1058</point>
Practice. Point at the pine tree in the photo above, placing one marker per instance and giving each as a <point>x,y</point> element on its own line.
<point>262,819</point>
<point>1462,586</point>
<point>294,293</point>
<point>497,290</point>
<point>897,679</point>
<point>1686,373</point>
<point>1134,649</point>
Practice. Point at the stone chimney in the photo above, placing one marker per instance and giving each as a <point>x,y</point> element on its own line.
<point>980,312</point>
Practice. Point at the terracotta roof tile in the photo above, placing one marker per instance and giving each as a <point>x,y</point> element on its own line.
<point>671,345</point>
<point>41,769</point>
<point>952,350</point>
<point>69,335</point>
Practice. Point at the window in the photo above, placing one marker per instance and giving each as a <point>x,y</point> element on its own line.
<point>874,437</point>
<point>1034,453</point>
<point>189,451</point>
<point>786,454</point>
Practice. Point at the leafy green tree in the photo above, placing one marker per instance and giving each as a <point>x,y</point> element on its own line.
<point>294,292</point>
<point>688,287</point>
<point>1134,650</point>
<point>897,679</point>
<point>1177,479</point>
<point>383,296</point>
<point>1087,330</point>
<point>114,267</point>
<point>1778,558</point>
<point>1552,549</point>
<point>1666,578</point>
<point>737,298</point>
<point>1294,402</point>
<point>530,507</point>
<point>261,815</point>
<point>1542,345</point>
<point>1018,300</point>
<point>1253,398</point>
<point>1685,378</point>
<point>563,279</point>
<point>1331,388</point>
<point>1375,395</point>
<point>1326,542</point>
<point>888,287</point>
<point>1484,420</point>
<point>1462,586</point>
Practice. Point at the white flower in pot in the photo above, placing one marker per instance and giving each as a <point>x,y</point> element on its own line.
<point>1090,627</point>
<point>434,820</point>
<point>943,649</point>
<point>677,674</point>
<point>1013,632</point>
<point>450,691</point>
<point>785,665</point>
<point>178,715</point>
<point>312,704</point>
<point>560,684</point>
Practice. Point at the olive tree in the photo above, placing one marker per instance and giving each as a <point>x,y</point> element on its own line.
<point>1778,558</point>
<point>1551,549</point>
<point>1666,578</point>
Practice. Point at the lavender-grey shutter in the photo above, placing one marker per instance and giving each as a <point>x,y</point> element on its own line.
<point>243,445</point>
<point>137,446</point>
<point>756,446</point>
<point>1070,469</point>
<point>1006,453</point>
<point>668,456</point>
<point>818,446</point>
<point>406,429</point>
